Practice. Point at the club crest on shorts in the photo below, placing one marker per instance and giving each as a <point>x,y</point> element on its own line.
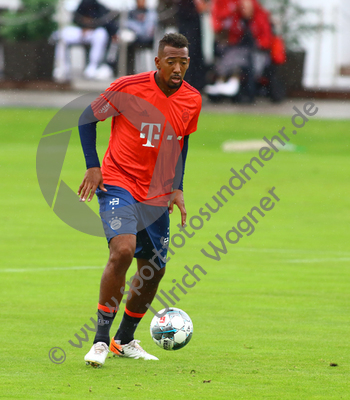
<point>115,223</point>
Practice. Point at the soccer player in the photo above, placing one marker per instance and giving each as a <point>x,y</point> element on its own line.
<point>138,185</point>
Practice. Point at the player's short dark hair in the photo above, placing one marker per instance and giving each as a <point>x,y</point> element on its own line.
<point>174,40</point>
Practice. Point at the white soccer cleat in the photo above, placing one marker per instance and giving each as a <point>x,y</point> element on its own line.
<point>97,355</point>
<point>130,350</point>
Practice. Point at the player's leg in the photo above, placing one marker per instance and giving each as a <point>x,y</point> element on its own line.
<point>121,252</point>
<point>145,283</point>
<point>142,291</point>
<point>150,277</point>
<point>116,210</point>
<point>124,344</point>
<point>122,248</point>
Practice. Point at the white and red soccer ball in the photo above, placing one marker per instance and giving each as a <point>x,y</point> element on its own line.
<point>173,330</point>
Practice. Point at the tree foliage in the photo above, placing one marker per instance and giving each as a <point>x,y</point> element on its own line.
<point>33,21</point>
<point>293,21</point>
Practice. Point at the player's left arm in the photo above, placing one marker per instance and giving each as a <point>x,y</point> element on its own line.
<point>177,196</point>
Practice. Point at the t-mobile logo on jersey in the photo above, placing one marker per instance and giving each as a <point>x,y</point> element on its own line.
<point>150,133</point>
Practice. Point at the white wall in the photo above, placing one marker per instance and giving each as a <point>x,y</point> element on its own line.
<point>329,50</point>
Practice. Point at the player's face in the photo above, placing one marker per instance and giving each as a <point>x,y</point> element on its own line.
<point>172,64</point>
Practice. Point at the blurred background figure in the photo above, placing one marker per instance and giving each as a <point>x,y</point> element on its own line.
<point>189,24</point>
<point>243,41</point>
<point>94,25</point>
<point>167,17</point>
<point>142,22</point>
<point>137,32</point>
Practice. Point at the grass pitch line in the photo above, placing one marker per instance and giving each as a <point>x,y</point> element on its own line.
<point>286,251</point>
<point>239,146</point>
<point>256,250</point>
<point>48,269</point>
<point>319,260</point>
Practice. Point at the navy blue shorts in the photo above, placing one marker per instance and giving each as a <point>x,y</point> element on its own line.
<point>122,214</point>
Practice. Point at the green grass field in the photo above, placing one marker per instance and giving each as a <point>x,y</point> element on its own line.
<point>269,317</point>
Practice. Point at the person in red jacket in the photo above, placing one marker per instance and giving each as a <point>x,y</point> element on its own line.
<point>243,36</point>
<point>230,17</point>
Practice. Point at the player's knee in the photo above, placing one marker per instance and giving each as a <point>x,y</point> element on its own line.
<point>123,255</point>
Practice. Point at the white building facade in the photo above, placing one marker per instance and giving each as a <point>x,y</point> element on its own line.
<point>328,52</point>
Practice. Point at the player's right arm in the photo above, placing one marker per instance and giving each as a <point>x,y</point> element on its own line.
<point>103,107</point>
<point>93,176</point>
<point>92,180</point>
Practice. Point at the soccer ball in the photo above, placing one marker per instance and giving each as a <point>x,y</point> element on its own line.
<point>173,330</point>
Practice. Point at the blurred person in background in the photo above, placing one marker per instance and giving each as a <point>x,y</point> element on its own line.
<point>167,16</point>
<point>243,40</point>
<point>94,25</point>
<point>138,31</point>
<point>189,25</point>
<point>142,22</point>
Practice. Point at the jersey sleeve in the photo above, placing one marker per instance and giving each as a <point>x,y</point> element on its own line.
<point>87,132</point>
<point>109,103</point>
<point>103,106</point>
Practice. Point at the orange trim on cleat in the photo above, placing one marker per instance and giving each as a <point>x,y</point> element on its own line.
<point>116,348</point>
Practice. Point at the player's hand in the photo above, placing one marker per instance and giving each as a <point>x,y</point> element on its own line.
<point>92,180</point>
<point>177,197</point>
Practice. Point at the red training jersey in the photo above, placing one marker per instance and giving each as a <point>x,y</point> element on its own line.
<point>147,134</point>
